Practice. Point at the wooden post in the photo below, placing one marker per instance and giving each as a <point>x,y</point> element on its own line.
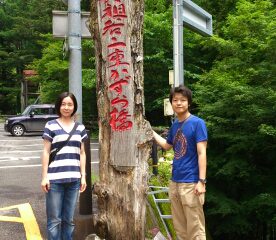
<point>124,135</point>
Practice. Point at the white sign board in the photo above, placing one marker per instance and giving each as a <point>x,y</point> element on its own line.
<point>168,111</point>
<point>196,18</point>
<point>171,77</point>
<point>60,24</point>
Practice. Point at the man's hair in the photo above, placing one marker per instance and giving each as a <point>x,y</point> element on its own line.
<point>186,92</point>
<point>60,99</point>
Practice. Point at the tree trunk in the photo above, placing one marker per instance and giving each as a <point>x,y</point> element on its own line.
<point>124,135</point>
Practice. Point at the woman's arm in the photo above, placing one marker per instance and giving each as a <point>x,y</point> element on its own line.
<point>45,184</point>
<point>82,168</point>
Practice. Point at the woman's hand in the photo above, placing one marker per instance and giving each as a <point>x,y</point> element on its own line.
<point>83,184</point>
<point>45,185</point>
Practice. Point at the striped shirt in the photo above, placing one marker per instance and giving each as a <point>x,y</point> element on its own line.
<point>66,164</point>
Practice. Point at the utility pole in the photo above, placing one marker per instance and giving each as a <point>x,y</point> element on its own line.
<point>74,39</point>
<point>71,25</point>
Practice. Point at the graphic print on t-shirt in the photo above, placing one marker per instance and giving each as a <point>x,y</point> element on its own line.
<point>180,144</point>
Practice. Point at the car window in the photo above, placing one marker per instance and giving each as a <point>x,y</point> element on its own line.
<point>40,111</point>
<point>26,111</point>
<point>52,110</point>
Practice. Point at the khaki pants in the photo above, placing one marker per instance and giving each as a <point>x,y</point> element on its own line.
<point>187,211</point>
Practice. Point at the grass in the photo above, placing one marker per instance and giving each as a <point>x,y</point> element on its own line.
<point>94,178</point>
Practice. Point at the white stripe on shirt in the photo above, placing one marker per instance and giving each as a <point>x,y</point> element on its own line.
<point>62,175</point>
<point>65,162</point>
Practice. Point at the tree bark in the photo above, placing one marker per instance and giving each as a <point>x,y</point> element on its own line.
<point>124,135</point>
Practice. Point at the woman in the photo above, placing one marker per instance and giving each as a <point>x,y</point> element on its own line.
<point>64,178</point>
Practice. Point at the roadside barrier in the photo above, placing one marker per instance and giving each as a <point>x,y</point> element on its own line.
<point>156,201</point>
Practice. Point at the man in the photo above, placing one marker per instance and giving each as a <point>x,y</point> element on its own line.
<point>188,137</point>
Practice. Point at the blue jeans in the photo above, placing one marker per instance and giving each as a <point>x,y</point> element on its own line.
<point>60,207</point>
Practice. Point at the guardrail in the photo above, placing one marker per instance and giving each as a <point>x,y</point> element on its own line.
<point>156,201</point>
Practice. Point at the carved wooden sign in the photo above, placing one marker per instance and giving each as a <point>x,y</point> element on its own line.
<point>113,19</point>
<point>124,134</point>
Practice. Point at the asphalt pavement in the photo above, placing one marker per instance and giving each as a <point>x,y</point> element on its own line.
<point>22,203</point>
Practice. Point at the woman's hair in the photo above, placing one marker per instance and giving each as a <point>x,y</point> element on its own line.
<point>186,92</point>
<point>60,99</point>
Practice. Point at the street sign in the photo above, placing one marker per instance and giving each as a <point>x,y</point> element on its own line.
<point>187,13</point>
<point>197,19</point>
<point>60,24</point>
<point>171,77</point>
<point>168,111</point>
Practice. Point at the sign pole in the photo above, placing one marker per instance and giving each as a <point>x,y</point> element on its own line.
<point>195,18</point>
<point>178,42</point>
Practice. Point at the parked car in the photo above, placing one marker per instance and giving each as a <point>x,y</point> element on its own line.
<point>33,119</point>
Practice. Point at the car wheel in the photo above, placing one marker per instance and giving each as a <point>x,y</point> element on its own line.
<point>18,130</point>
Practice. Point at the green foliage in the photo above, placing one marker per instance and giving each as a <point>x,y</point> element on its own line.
<point>52,75</point>
<point>164,175</point>
<point>21,25</point>
<point>237,99</point>
<point>267,130</point>
<point>52,70</point>
<point>94,178</point>
<point>232,75</point>
<point>219,10</point>
<point>158,56</point>
<point>157,6</point>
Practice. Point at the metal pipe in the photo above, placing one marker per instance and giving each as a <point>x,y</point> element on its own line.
<point>75,65</point>
<point>178,57</point>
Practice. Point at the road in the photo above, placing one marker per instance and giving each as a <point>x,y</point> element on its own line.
<point>22,204</point>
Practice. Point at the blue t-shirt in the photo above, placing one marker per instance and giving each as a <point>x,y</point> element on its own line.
<point>184,139</point>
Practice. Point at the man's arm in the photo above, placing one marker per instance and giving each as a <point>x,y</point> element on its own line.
<point>202,165</point>
<point>161,141</point>
<point>202,158</point>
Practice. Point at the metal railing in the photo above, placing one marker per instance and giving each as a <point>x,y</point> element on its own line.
<point>156,201</point>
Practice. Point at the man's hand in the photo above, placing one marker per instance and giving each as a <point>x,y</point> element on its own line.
<point>200,188</point>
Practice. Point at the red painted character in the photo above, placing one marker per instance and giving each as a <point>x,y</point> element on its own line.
<point>116,11</point>
<point>117,57</point>
<point>117,100</point>
<point>118,121</point>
